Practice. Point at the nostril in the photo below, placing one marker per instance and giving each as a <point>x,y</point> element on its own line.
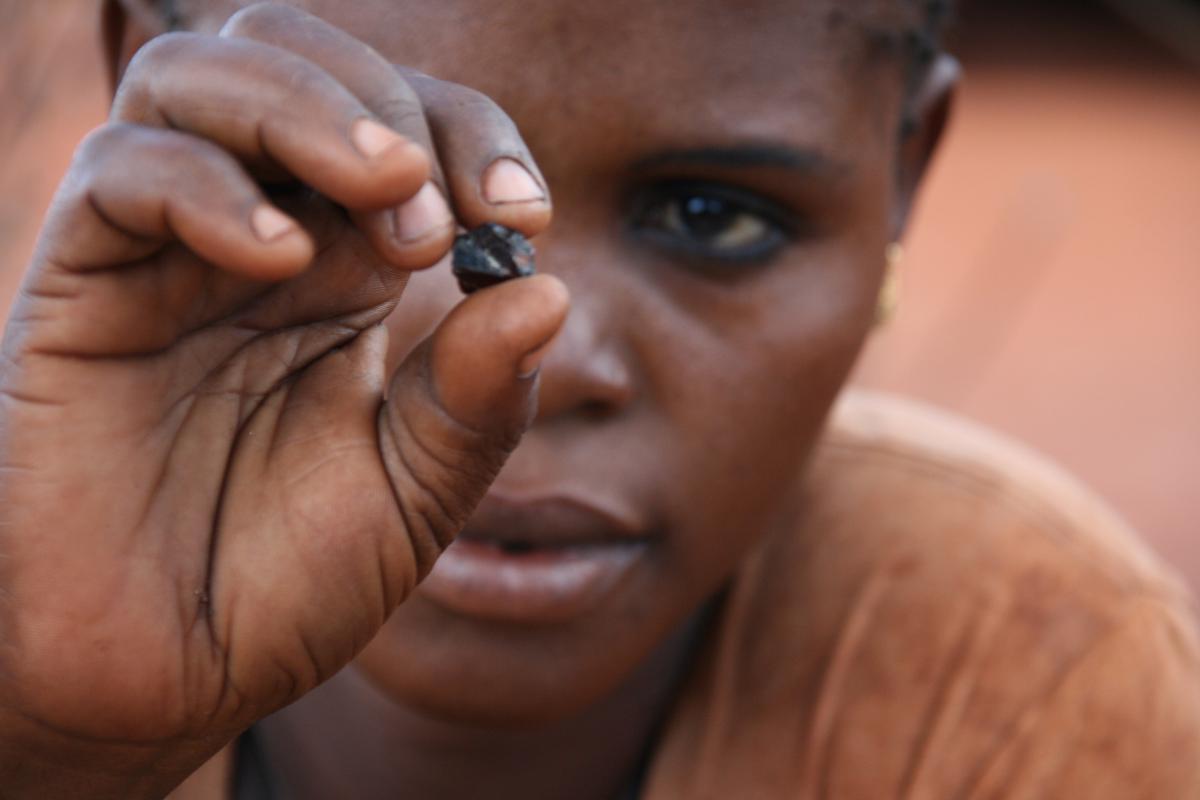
<point>597,409</point>
<point>581,389</point>
<point>588,373</point>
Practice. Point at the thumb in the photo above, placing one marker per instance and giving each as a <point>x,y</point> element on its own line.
<point>460,402</point>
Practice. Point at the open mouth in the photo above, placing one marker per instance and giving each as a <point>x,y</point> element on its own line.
<point>526,547</point>
<point>541,562</point>
<point>511,547</point>
<point>524,583</point>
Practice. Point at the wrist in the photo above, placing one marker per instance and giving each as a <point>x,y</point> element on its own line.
<point>39,762</point>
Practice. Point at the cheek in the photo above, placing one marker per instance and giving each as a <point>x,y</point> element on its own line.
<point>744,375</point>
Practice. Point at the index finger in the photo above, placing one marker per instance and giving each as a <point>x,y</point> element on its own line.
<point>418,233</point>
<point>489,169</point>
<point>480,162</point>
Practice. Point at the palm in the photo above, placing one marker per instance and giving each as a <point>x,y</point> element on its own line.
<point>240,468</point>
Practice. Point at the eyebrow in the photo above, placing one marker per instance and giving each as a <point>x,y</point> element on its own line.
<point>811,162</point>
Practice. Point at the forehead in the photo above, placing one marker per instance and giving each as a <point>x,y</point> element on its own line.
<point>701,69</point>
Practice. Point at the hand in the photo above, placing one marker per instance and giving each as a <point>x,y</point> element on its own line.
<point>211,497</point>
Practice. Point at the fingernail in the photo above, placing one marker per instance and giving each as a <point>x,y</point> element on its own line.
<point>507,181</point>
<point>373,139</point>
<point>424,213</point>
<point>270,224</point>
<point>531,362</point>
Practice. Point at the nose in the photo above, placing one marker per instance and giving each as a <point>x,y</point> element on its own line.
<point>585,373</point>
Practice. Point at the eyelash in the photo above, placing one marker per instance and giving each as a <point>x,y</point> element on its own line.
<point>662,211</point>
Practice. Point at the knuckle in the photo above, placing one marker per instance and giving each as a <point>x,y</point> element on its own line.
<point>400,112</point>
<point>257,19</point>
<point>397,103</point>
<point>476,103</point>
<point>113,139</point>
<point>455,101</point>
<point>134,97</point>
<point>99,147</point>
<point>92,162</point>
<point>158,51</point>
<point>305,89</point>
<point>111,153</point>
<point>483,117</point>
<point>99,141</point>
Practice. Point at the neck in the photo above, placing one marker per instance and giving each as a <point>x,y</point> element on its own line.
<point>348,737</point>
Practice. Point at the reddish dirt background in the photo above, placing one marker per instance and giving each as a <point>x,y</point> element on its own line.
<point>1052,282</point>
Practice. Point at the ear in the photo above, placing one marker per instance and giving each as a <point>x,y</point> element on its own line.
<point>126,25</point>
<point>929,110</point>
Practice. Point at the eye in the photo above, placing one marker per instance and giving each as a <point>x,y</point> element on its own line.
<point>712,222</point>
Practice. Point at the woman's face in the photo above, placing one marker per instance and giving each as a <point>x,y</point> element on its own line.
<point>723,179</point>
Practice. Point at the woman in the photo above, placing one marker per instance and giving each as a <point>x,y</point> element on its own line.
<point>238,443</point>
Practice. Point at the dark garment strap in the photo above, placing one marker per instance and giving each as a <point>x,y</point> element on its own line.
<point>252,778</point>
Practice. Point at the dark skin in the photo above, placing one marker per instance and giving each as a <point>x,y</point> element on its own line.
<point>215,497</point>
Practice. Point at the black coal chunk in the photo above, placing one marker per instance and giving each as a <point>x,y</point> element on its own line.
<point>491,254</point>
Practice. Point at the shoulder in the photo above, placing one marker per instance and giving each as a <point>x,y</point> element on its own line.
<point>911,477</point>
<point>919,498</point>
<point>954,617</point>
<point>1066,654</point>
<point>1030,629</point>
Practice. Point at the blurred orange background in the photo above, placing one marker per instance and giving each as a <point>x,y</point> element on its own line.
<point>1052,276</point>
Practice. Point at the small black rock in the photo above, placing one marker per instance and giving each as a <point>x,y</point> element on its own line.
<point>491,254</point>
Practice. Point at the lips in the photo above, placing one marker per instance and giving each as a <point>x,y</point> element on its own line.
<point>536,560</point>
<point>548,522</point>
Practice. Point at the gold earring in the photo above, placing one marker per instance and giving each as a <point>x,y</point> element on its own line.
<point>889,290</point>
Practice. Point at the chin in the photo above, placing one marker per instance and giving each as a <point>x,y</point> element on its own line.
<point>512,711</point>
<point>484,673</point>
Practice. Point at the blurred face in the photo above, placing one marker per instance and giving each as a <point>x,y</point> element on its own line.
<point>723,178</point>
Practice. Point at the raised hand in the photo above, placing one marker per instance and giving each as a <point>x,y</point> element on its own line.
<point>211,495</point>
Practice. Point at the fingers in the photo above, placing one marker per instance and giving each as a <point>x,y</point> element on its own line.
<point>459,404</point>
<point>266,105</point>
<point>419,232</point>
<point>357,67</point>
<point>490,173</point>
<point>186,189</point>
<point>282,89</point>
<point>480,161</point>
